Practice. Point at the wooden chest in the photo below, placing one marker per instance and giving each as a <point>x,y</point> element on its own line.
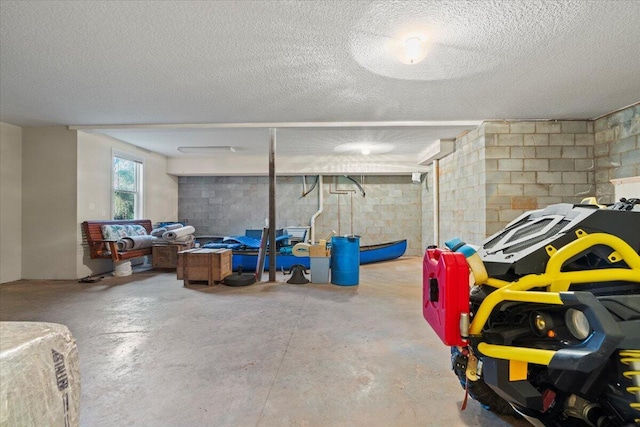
<point>166,256</point>
<point>209,265</point>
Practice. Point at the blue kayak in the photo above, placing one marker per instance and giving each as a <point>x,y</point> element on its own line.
<point>368,255</point>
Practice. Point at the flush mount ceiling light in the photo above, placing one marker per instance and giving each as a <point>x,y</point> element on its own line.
<point>365,148</point>
<point>413,50</point>
<point>410,48</point>
<point>207,149</point>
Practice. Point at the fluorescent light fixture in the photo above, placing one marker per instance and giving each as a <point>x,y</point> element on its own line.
<point>207,149</point>
<point>366,151</point>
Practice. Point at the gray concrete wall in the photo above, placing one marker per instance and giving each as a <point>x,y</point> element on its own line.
<point>462,190</point>
<point>530,165</point>
<point>225,206</point>
<point>496,173</point>
<point>503,169</point>
<point>390,211</point>
<point>617,150</point>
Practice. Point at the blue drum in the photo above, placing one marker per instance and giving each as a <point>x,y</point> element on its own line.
<point>345,260</point>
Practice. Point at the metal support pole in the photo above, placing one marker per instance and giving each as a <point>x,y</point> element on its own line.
<point>436,202</point>
<point>272,205</point>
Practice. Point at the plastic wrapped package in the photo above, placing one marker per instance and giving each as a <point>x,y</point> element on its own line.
<point>39,375</point>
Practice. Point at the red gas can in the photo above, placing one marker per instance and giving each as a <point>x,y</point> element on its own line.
<point>445,293</point>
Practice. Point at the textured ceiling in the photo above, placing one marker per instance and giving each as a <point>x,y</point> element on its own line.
<point>113,62</point>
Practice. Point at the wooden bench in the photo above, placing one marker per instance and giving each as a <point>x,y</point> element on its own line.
<point>108,249</point>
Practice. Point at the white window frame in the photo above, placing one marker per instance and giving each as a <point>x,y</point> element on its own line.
<point>138,210</point>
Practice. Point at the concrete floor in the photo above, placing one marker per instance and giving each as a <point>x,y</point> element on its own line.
<point>156,353</point>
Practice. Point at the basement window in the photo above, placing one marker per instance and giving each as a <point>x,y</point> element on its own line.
<point>127,186</point>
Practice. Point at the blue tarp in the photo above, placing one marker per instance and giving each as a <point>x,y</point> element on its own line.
<point>222,246</point>
<point>238,242</point>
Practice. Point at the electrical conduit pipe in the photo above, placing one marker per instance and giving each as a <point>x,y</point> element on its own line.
<point>312,222</point>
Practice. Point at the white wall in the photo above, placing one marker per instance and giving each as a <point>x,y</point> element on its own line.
<point>628,188</point>
<point>160,189</point>
<point>94,190</point>
<point>10,203</point>
<point>49,158</point>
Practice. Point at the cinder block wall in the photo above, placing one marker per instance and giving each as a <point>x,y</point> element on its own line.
<point>503,169</point>
<point>497,172</point>
<point>226,206</point>
<point>617,150</point>
<point>462,190</point>
<point>530,165</point>
<point>390,211</point>
<point>427,192</point>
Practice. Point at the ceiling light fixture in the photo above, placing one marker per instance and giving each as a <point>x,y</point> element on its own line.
<point>207,149</point>
<point>364,148</point>
<point>413,50</point>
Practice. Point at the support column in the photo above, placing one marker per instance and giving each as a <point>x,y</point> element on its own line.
<point>436,202</point>
<point>272,205</point>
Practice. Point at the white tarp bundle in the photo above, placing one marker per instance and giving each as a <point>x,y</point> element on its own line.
<point>39,375</point>
<point>178,232</point>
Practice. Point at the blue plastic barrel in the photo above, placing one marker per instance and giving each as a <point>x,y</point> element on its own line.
<point>345,260</point>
